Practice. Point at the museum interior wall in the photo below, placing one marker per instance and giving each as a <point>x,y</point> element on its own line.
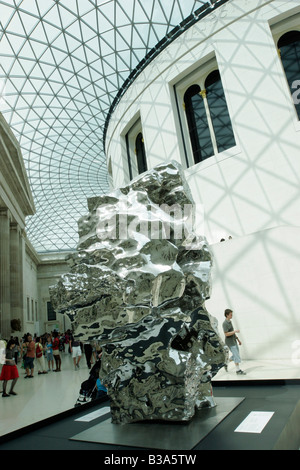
<point>25,275</point>
<point>50,268</point>
<point>16,203</point>
<point>250,190</point>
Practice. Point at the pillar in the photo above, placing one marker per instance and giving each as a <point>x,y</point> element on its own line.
<point>5,328</point>
<point>16,275</point>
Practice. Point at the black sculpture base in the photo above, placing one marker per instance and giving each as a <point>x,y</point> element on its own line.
<point>163,435</point>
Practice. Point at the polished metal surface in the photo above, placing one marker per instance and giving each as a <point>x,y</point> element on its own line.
<point>138,284</point>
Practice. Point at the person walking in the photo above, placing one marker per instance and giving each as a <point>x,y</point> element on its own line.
<point>88,351</point>
<point>232,341</point>
<point>9,369</point>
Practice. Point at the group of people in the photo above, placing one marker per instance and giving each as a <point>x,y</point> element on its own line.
<point>48,348</point>
<point>42,349</point>
<point>223,239</point>
<point>40,352</point>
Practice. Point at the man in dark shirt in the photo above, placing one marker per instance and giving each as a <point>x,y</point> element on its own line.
<point>232,341</point>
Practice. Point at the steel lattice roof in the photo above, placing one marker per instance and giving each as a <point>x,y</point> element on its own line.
<point>61,66</point>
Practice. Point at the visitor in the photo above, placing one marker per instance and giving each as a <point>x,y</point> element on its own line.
<point>16,349</point>
<point>232,341</point>
<point>67,340</point>
<point>39,354</point>
<point>62,342</point>
<point>101,389</point>
<point>56,352</point>
<point>75,350</point>
<point>9,369</point>
<point>88,351</point>
<point>49,352</point>
<point>29,358</point>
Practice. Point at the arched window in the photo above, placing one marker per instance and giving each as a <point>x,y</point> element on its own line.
<point>208,118</point>
<point>289,49</point>
<point>219,112</point>
<point>198,124</point>
<point>135,149</point>
<point>140,153</point>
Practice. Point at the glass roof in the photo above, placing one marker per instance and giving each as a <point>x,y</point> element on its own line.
<point>61,66</point>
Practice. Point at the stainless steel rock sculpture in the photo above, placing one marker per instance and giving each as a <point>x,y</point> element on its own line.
<point>138,284</point>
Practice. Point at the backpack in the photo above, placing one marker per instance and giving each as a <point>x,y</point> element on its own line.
<point>39,351</point>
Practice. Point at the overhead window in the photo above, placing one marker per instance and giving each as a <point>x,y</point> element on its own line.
<point>289,51</point>
<point>208,119</point>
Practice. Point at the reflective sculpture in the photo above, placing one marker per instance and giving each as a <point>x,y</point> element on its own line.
<point>138,284</point>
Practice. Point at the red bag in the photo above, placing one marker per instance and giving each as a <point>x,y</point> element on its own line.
<point>38,351</point>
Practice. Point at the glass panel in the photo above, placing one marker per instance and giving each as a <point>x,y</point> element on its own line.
<point>219,112</point>
<point>289,46</point>
<point>61,67</point>
<point>198,125</point>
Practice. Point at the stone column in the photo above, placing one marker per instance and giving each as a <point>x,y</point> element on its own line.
<point>5,273</point>
<point>16,275</point>
<point>21,270</point>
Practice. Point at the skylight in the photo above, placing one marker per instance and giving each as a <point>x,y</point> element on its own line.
<point>61,66</point>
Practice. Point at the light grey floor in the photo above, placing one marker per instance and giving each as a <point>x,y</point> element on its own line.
<point>43,396</point>
<point>261,370</point>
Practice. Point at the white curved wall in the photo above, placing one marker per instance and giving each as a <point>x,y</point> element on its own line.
<point>247,190</point>
<point>257,276</point>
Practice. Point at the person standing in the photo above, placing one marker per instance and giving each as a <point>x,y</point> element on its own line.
<point>9,369</point>
<point>75,351</point>
<point>39,354</point>
<point>101,389</point>
<point>49,352</point>
<point>88,351</point>
<point>56,353</point>
<point>232,341</point>
<point>16,349</point>
<point>29,359</point>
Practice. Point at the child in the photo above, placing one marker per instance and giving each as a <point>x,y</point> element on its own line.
<point>9,369</point>
<point>49,352</point>
<point>101,389</point>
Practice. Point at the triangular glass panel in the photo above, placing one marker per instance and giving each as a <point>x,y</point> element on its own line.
<point>105,20</point>
<point>5,47</point>
<point>16,41</point>
<point>89,24</point>
<point>28,21</point>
